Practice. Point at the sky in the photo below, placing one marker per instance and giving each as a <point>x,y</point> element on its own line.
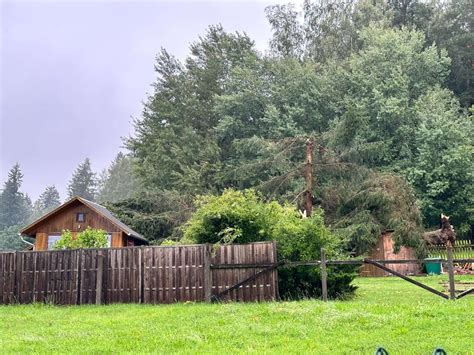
<point>74,75</point>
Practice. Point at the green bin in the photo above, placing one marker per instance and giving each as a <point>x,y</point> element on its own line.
<point>433,266</point>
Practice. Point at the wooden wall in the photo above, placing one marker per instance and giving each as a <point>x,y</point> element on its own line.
<point>383,250</point>
<point>66,220</point>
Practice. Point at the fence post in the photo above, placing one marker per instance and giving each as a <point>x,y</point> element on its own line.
<point>275,279</point>
<point>99,277</point>
<point>207,273</point>
<point>452,291</point>
<point>324,276</point>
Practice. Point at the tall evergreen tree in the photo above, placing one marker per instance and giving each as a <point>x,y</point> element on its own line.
<point>83,182</point>
<point>47,201</point>
<point>15,207</point>
<point>118,182</point>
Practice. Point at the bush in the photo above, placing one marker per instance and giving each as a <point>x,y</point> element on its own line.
<point>90,238</point>
<point>243,217</point>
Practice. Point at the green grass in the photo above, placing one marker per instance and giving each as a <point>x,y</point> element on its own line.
<point>389,312</point>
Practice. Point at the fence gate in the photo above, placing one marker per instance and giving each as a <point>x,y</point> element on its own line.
<point>245,272</point>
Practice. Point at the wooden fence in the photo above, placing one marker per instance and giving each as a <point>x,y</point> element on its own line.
<point>140,275</point>
<point>463,249</point>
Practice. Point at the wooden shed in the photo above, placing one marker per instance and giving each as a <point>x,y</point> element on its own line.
<point>383,250</point>
<point>76,215</point>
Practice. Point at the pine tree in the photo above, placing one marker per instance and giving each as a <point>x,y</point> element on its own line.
<point>47,201</point>
<point>15,207</point>
<point>118,182</point>
<point>83,182</point>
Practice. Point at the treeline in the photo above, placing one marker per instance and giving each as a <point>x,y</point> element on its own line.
<point>384,88</point>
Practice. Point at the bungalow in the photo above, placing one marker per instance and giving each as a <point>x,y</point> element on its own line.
<point>76,215</point>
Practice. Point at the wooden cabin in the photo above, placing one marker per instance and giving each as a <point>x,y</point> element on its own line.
<point>76,215</point>
<point>383,250</point>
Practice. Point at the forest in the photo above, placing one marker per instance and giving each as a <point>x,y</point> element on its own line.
<point>383,88</point>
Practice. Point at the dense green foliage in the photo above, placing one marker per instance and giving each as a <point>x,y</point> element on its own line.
<point>369,81</point>
<point>369,203</point>
<point>386,312</point>
<point>89,238</point>
<point>156,214</point>
<point>83,182</point>
<point>15,210</point>
<point>15,206</point>
<point>9,239</point>
<point>118,182</point>
<point>46,202</point>
<point>243,217</point>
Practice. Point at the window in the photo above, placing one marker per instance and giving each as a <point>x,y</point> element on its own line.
<point>109,240</point>
<point>52,239</point>
<point>80,217</point>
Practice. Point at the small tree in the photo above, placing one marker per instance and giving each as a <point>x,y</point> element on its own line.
<point>90,238</point>
<point>83,182</point>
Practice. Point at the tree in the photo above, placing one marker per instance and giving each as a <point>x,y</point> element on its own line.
<point>442,170</point>
<point>119,181</point>
<point>411,13</point>
<point>378,91</point>
<point>288,38</point>
<point>15,206</point>
<point>349,74</point>
<point>452,30</point>
<point>83,182</point>
<point>10,240</point>
<point>360,204</point>
<point>174,144</point>
<point>47,201</point>
<point>155,214</point>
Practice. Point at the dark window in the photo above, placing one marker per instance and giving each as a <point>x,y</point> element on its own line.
<point>80,217</point>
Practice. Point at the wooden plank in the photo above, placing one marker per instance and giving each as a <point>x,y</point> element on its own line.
<point>41,241</point>
<point>427,288</point>
<point>99,278</point>
<point>18,276</point>
<point>207,276</point>
<point>324,276</point>
<point>7,277</point>
<point>274,280</point>
<point>452,290</point>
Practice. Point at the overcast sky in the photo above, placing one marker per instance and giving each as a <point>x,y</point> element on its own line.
<point>74,73</point>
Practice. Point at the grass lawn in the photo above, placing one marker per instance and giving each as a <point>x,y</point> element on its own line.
<point>386,311</point>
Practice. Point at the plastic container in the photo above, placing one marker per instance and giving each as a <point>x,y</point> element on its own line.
<point>433,267</point>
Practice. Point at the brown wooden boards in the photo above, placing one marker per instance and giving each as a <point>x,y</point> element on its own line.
<point>262,288</point>
<point>138,274</point>
<point>174,274</point>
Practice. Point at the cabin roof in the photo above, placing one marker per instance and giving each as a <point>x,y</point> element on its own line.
<point>101,210</point>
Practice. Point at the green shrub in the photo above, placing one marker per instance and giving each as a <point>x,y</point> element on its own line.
<point>243,217</point>
<point>90,238</point>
